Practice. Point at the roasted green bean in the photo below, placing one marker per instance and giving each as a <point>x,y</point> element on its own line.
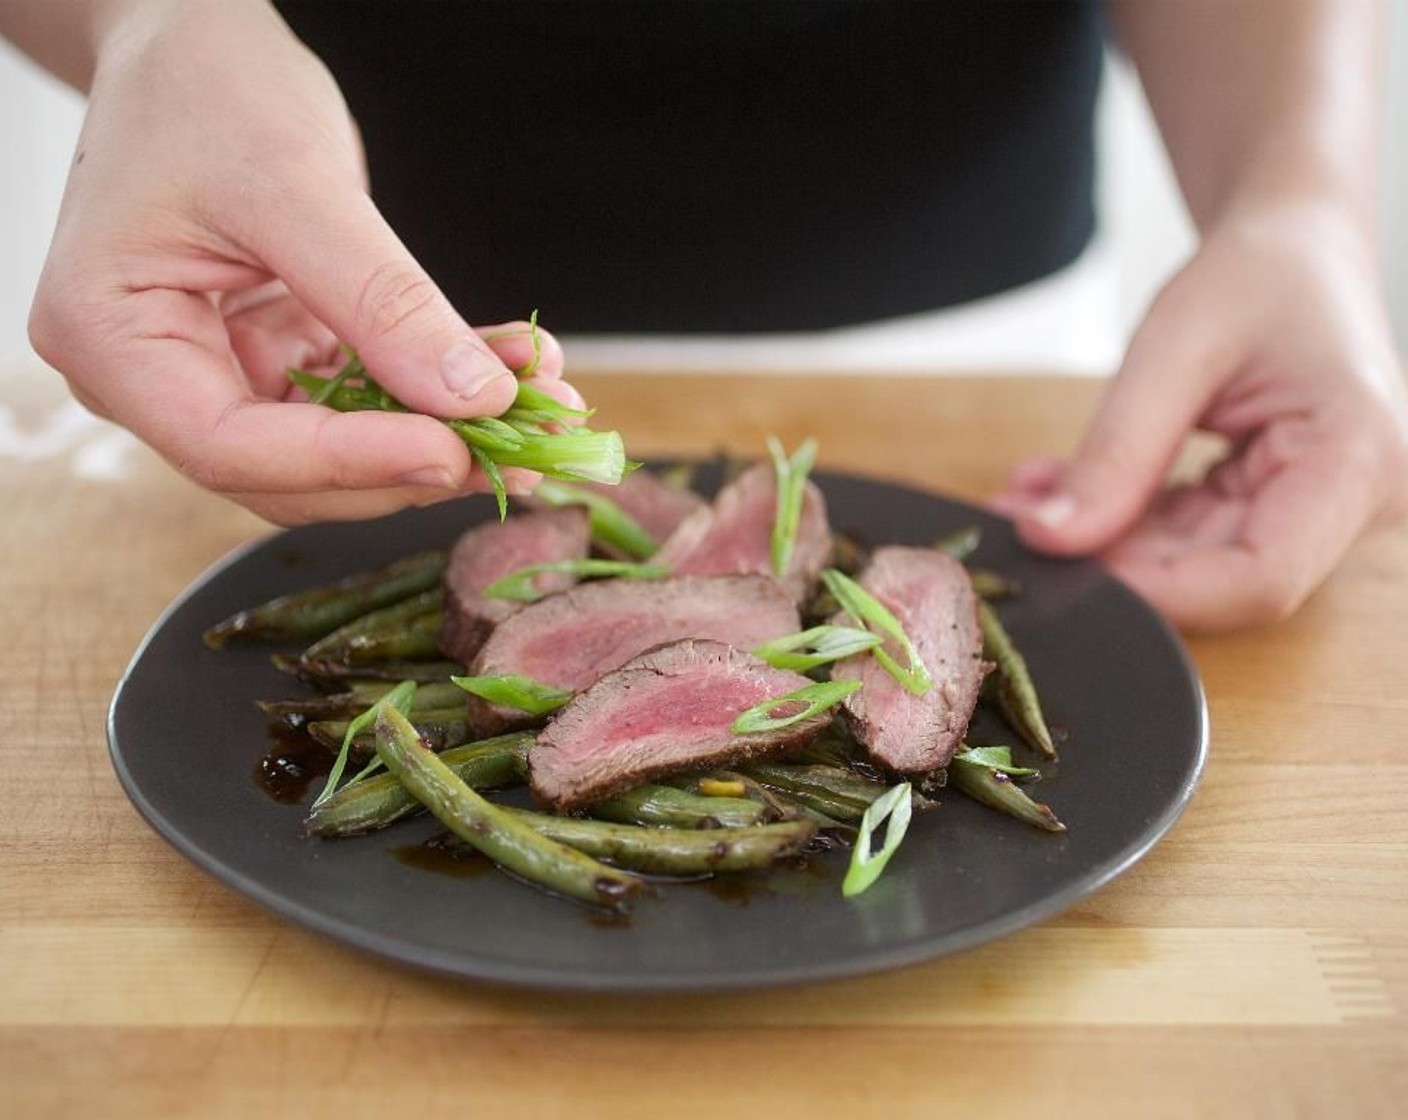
<point>652,804</point>
<point>492,830</point>
<point>999,791</point>
<point>380,800</point>
<point>404,632</point>
<point>675,851</point>
<point>306,615</point>
<point>439,727</point>
<point>360,696</point>
<point>1016,693</point>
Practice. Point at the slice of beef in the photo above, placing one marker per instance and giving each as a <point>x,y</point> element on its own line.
<point>654,505</point>
<point>734,535</point>
<point>931,595</point>
<point>491,551</point>
<point>572,639</point>
<point>670,709</point>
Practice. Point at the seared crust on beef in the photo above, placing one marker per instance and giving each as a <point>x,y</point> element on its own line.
<point>672,708</point>
<point>931,595</point>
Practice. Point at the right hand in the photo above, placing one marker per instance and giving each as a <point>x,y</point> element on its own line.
<point>215,231</point>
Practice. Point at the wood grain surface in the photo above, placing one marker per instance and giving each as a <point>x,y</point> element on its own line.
<point>1255,964</point>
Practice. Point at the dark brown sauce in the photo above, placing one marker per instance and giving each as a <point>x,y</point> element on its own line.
<point>457,861</point>
<point>291,765</point>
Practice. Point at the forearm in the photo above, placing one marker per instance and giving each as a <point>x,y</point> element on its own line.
<point>67,37</point>
<point>1264,104</point>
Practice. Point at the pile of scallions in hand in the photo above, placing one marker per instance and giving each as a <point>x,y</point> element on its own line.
<point>537,432</point>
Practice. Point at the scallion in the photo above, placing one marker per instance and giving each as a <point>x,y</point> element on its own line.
<point>791,490</point>
<point>813,699</point>
<point>893,807</point>
<point>820,645</point>
<point>871,613</point>
<point>514,691</point>
<point>519,585</point>
<point>399,698</point>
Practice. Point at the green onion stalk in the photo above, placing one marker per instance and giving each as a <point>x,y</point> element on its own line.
<point>537,432</point>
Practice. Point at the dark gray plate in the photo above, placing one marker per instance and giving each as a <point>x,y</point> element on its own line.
<point>186,738</point>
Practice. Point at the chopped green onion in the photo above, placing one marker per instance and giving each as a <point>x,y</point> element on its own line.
<point>533,406</point>
<point>610,524</point>
<point>513,691</point>
<point>494,475</point>
<point>866,865</point>
<point>489,433</point>
<point>519,585</point>
<point>791,490</point>
<point>995,758</point>
<point>871,613</point>
<point>814,698</point>
<point>826,643</point>
<point>962,543</point>
<point>537,432</point>
<point>399,698</point>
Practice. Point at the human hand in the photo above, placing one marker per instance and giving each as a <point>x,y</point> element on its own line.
<point>215,231</point>
<point>1275,337</point>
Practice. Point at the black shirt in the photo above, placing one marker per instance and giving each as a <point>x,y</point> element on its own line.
<point>715,165</point>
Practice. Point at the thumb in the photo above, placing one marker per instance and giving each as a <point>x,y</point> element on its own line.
<point>1146,413</point>
<point>337,254</point>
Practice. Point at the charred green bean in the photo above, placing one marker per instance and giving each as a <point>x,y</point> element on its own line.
<point>380,800</point>
<point>652,804</point>
<point>499,834</point>
<point>408,631</point>
<point>1016,693</point>
<point>318,611</point>
<point>675,851</point>
<point>999,791</point>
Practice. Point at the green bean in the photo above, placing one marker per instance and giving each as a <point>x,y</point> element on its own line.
<point>315,612</point>
<point>675,851</point>
<point>1016,694</point>
<point>999,791</point>
<point>439,727</point>
<point>839,793</point>
<point>652,804</point>
<point>360,696</point>
<point>495,832</point>
<point>407,631</point>
<point>337,675</point>
<point>380,800</point>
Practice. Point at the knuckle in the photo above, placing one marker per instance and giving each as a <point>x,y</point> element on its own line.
<point>395,297</point>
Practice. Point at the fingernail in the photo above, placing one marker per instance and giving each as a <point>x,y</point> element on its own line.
<point>439,478</point>
<point>469,369</point>
<point>1055,511</point>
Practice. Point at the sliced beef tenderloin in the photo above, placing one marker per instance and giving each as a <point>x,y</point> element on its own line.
<point>734,535</point>
<point>651,503</point>
<point>670,709</point>
<point>931,595</point>
<point>491,551</point>
<point>572,639</point>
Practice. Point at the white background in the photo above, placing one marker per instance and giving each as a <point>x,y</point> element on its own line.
<point>1144,231</point>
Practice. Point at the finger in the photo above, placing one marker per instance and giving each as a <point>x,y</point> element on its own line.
<point>1148,410</point>
<point>332,247</point>
<point>513,343</point>
<point>273,336</point>
<point>358,505</point>
<point>1030,482</point>
<point>1296,529</point>
<point>175,383</point>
